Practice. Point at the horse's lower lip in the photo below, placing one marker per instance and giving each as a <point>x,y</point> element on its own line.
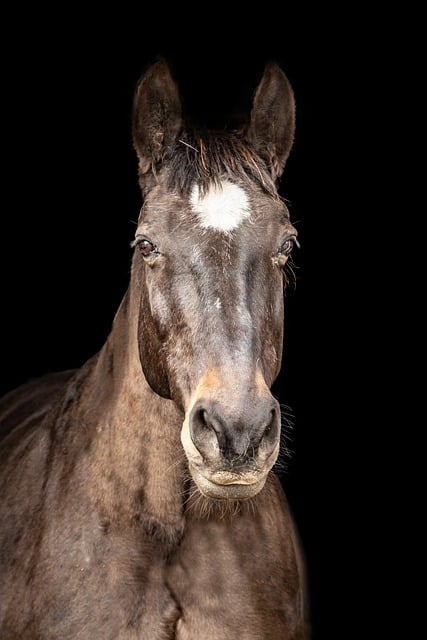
<point>227,490</point>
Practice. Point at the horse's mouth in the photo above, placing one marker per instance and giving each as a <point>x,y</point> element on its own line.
<point>227,486</point>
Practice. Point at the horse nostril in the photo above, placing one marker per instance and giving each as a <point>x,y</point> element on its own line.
<point>271,430</point>
<point>205,430</point>
<point>202,417</point>
<point>271,424</point>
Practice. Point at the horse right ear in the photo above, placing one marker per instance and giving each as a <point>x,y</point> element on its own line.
<point>156,115</point>
<point>272,123</point>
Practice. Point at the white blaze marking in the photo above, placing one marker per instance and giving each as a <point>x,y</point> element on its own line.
<point>222,208</point>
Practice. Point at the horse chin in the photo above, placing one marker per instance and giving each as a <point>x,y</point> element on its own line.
<point>226,489</point>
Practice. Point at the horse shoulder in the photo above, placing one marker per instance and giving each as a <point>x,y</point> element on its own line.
<point>65,570</point>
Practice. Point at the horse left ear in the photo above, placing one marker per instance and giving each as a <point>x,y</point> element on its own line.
<point>156,115</point>
<point>272,123</point>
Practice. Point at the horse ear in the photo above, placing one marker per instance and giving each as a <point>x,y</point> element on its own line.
<point>156,115</point>
<point>272,122</point>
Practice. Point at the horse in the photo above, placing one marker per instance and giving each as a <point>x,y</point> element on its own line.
<point>139,498</point>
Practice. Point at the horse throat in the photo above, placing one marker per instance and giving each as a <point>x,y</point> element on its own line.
<point>139,473</point>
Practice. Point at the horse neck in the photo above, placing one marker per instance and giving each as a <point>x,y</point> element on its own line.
<point>138,462</point>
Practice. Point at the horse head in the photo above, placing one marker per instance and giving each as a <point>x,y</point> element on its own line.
<point>212,241</point>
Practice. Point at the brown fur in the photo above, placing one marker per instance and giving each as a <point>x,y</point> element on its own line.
<point>104,533</point>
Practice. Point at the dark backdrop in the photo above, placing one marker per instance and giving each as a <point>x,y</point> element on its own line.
<point>70,199</point>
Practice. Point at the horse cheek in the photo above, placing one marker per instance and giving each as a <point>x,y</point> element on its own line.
<point>151,354</point>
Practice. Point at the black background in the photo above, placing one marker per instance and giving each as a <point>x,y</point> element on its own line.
<point>70,200</point>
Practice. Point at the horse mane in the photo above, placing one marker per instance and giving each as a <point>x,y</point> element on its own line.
<point>205,158</point>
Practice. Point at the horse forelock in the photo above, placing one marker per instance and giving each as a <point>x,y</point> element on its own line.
<point>206,159</point>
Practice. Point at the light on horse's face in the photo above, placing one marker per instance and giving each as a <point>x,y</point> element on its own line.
<point>212,317</point>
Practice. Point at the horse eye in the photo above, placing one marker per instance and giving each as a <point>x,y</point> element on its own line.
<point>288,245</point>
<point>146,247</point>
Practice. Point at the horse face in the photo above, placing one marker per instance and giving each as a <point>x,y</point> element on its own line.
<point>210,270</point>
<point>211,244</point>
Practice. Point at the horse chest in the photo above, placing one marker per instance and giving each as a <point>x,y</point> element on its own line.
<point>226,585</point>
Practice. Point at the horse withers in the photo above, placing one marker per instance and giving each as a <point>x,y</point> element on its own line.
<point>138,497</point>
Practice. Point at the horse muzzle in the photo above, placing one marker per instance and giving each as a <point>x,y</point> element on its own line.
<point>231,447</point>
